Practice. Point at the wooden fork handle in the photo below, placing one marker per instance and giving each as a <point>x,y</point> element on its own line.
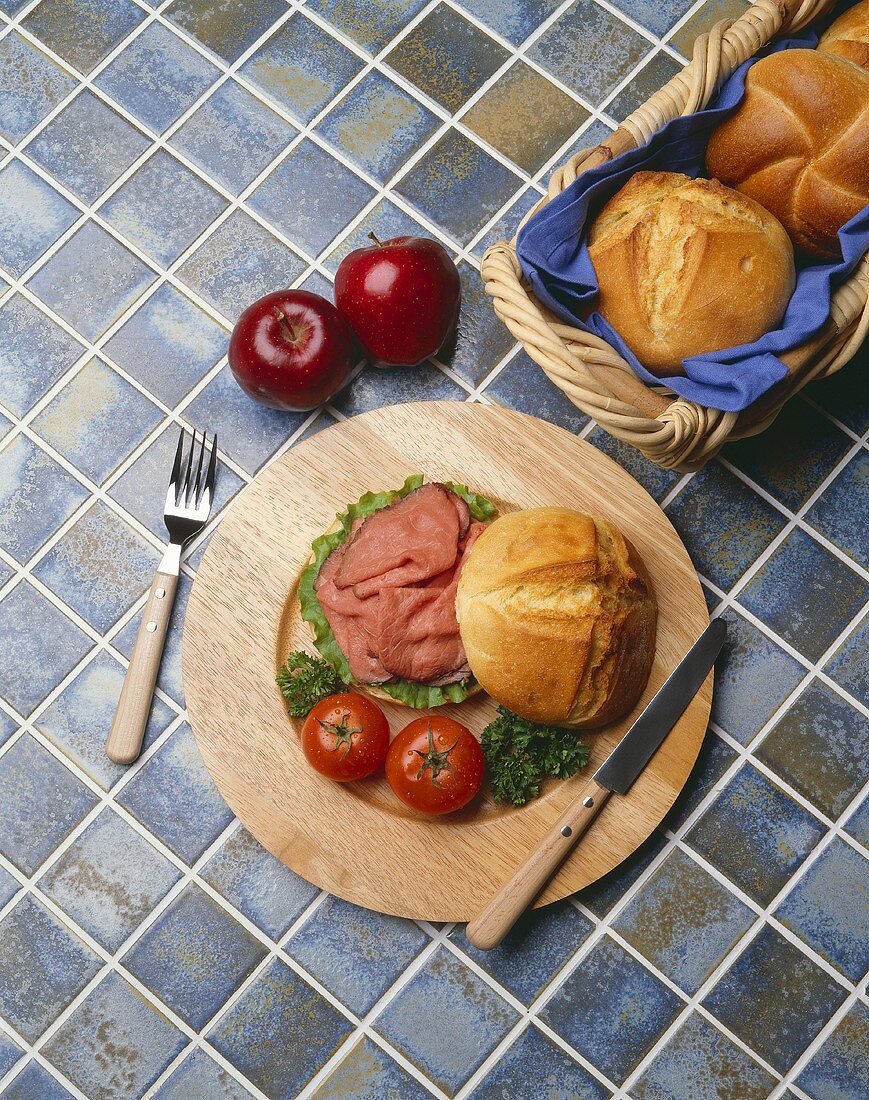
<point>134,705</point>
<point>510,902</point>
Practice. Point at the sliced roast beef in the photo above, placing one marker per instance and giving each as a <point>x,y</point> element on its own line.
<point>389,592</point>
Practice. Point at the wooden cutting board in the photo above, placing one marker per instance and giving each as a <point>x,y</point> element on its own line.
<point>356,840</point>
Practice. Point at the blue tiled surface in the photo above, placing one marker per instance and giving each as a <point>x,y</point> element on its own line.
<point>114,1043</point>
<point>194,956</point>
<point>444,112</point>
<point>611,985</point>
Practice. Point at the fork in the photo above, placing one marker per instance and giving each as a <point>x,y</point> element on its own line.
<point>188,502</point>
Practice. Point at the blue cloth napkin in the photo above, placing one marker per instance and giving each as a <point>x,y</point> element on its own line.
<point>553,253</point>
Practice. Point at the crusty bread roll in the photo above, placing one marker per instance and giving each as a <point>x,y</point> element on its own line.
<point>849,35</point>
<point>799,144</point>
<point>558,617</point>
<point>688,266</point>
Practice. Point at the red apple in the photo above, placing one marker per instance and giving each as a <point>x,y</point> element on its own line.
<point>291,350</point>
<point>401,296</point>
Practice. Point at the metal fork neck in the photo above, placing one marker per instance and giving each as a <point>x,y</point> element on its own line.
<point>171,561</point>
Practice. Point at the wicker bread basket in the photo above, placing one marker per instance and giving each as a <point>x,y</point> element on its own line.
<point>670,430</point>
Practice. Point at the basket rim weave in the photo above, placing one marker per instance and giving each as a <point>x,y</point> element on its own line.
<point>671,431</point>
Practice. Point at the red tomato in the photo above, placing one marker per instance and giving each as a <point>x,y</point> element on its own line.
<point>345,737</point>
<point>435,765</point>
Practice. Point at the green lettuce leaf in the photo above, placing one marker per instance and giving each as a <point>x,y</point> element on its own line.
<point>416,695</point>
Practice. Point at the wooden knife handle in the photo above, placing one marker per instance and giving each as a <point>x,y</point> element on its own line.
<point>492,925</point>
<point>134,705</point>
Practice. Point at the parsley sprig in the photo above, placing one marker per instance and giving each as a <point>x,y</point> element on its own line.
<point>305,680</point>
<point>520,755</point>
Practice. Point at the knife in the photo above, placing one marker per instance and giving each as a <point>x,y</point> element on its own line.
<point>614,776</point>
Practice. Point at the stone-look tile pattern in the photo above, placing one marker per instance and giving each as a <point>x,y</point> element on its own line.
<point>159,173</point>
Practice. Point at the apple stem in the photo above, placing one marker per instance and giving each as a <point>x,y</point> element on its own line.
<point>372,237</point>
<point>282,321</point>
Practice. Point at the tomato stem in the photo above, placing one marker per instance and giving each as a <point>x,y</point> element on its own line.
<point>434,760</point>
<point>343,733</point>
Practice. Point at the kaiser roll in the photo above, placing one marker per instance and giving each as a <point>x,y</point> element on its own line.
<point>799,144</point>
<point>558,617</point>
<point>688,266</point>
<point>849,35</point>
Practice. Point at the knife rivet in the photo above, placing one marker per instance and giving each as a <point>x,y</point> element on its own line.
<point>566,830</point>
<point>151,627</point>
<point>588,801</point>
<point>160,593</point>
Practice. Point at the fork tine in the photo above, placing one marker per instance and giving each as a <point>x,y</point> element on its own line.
<point>194,489</point>
<point>208,486</point>
<point>184,495</point>
<point>176,465</point>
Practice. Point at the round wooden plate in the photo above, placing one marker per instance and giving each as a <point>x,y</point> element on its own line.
<point>356,840</point>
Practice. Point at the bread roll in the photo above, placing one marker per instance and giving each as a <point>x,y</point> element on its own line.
<point>799,144</point>
<point>558,617</point>
<point>849,35</point>
<point>688,266</point>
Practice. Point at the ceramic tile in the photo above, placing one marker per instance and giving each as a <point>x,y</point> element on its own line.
<point>374,388</point>
<point>610,984</point>
<point>42,801</point>
<point>653,75</point>
<point>847,665</point>
<point>12,7</point>
<point>162,208</point>
<point>31,84</point>
<point>506,225</point>
<point>805,594</point>
<point>791,474</point>
<point>35,1083</point>
<point>233,137</point>
<point>355,953</point>
<point>829,908</point>
<point>96,420</point>
<point>368,1073</point>
<point>818,747</point>
<point>714,758</point>
<point>194,956</point>
<point>199,1077</point>
<point>534,1063</point>
<point>238,263</point>
<point>267,892</point>
<point>78,720</point>
<point>776,834</point>
<point>523,386</point>
<point>514,19</point>
<point>168,345</point>
<point>702,1063</point>
<point>525,117</point>
<point>174,796</point>
<point>482,340</point>
<point>378,126</point>
<point>753,677</point>
<point>775,999</point>
<point>608,891</point>
<point>43,967</point>
<point>446,1021</point>
<point>34,353</point>
<point>656,481</point>
<point>590,50</point>
<point>447,57</point>
<point>683,921</point>
<point>99,567</point>
<point>659,16</point>
<point>10,1053</point>
<point>157,77</point>
<point>36,496</point>
<point>843,397</point>
<point>226,28</point>
<point>87,146</point>
<point>301,68</point>
<point>83,32</point>
<point>858,823</point>
<point>702,21</point>
<point>115,1043</point>
<point>371,23</point>
<point>840,1068</point>
<point>248,432</point>
<point>458,186</point>
<point>310,197</point>
<point>109,880</point>
<point>534,951</point>
<point>279,1032</point>
<point>31,671</point>
<point>32,217</point>
<point>724,523</point>
<point>91,280</point>
<point>8,726</point>
<point>837,513</point>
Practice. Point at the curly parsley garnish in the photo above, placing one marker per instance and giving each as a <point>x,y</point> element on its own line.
<point>520,755</point>
<point>305,680</point>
